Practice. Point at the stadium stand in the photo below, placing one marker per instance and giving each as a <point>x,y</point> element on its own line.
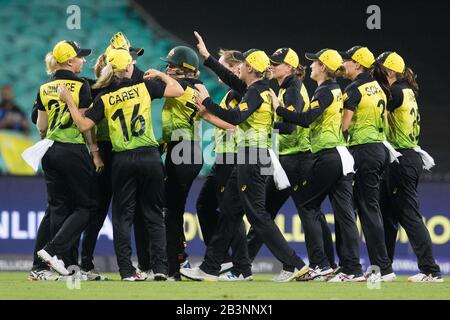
<point>31,28</point>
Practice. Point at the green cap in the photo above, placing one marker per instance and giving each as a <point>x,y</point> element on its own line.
<point>183,57</point>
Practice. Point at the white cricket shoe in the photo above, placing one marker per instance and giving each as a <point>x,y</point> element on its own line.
<point>421,277</point>
<point>43,275</point>
<point>342,277</point>
<point>93,275</point>
<point>135,277</point>
<point>317,274</point>
<point>53,262</point>
<point>225,267</point>
<point>286,276</point>
<point>197,274</point>
<point>230,276</point>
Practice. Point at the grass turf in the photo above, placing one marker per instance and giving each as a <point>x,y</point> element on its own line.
<point>15,285</point>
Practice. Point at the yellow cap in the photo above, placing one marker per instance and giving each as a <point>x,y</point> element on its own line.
<point>119,58</point>
<point>329,57</point>
<point>285,55</point>
<point>360,54</point>
<point>65,50</point>
<point>393,61</point>
<point>257,59</point>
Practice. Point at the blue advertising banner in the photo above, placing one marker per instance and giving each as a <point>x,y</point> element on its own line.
<point>23,202</point>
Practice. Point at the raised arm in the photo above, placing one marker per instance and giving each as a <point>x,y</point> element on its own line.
<point>228,77</point>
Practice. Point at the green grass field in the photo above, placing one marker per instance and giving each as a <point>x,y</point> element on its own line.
<point>15,285</point>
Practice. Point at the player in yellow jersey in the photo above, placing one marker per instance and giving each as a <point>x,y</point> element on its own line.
<point>67,165</point>
<point>138,175</point>
<point>400,199</point>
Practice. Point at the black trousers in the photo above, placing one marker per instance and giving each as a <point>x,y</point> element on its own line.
<point>245,192</point>
<point>137,184</point>
<point>296,167</point>
<point>103,194</point>
<point>400,204</point>
<point>69,175</point>
<point>211,195</point>
<point>326,178</point>
<point>183,163</point>
<point>370,162</point>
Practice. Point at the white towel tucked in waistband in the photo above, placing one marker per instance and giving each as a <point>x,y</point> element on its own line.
<point>393,154</point>
<point>347,160</point>
<point>279,176</point>
<point>34,154</point>
<point>428,161</point>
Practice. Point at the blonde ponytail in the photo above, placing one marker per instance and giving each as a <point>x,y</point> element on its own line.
<point>99,65</point>
<point>107,76</point>
<point>51,64</point>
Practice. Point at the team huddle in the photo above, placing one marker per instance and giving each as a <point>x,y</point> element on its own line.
<point>359,147</point>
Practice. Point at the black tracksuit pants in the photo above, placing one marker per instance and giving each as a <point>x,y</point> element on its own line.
<point>69,175</point>
<point>370,162</point>
<point>400,204</point>
<point>103,193</point>
<point>209,199</point>
<point>326,178</point>
<point>137,184</point>
<point>297,167</point>
<point>246,192</point>
<point>183,163</point>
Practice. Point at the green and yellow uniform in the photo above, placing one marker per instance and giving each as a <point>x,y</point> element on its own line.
<point>225,141</point>
<point>61,127</point>
<point>403,117</point>
<point>179,116</point>
<point>294,96</point>
<point>126,107</point>
<point>367,100</point>
<point>324,117</point>
<point>253,115</point>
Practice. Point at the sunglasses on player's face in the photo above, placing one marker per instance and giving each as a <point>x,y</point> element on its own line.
<point>274,64</point>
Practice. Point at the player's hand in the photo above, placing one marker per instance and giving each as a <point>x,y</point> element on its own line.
<point>152,74</point>
<point>64,93</point>
<point>201,94</point>
<point>98,162</point>
<point>201,46</point>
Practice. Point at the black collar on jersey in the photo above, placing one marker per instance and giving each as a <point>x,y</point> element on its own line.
<point>65,74</point>
<point>263,83</point>
<point>287,82</point>
<point>365,76</point>
<point>328,82</point>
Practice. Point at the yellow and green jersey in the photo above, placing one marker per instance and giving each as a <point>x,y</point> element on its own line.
<point>253,115</point>
<point>126,106</point>
<point>403,117</point>
<point>179,116</point>
<point>225,141</point>
<point>292,139</point>
<point>61,127</point>
<point>324,117</point>
<point>367,100</point>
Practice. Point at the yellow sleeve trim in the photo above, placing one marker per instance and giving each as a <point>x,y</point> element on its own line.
<point>243,106</point>
<point>314,104</point>
<point>291,108</point>
<point>345,97</point>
